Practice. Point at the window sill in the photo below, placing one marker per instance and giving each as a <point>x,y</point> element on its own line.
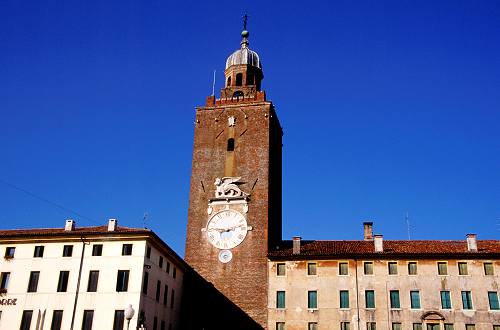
<point>312,310</point>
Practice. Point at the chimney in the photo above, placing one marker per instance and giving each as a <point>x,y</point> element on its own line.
<point>296,245</point>
<point>368,231</point>
<point>472,242</point>
<point>379,243</point>
<point>70,225</point>
<point>112,224</point>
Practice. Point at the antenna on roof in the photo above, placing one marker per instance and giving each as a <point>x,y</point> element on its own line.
<point>213,85</point>
<point>144,219</point>
<point>408,225</point>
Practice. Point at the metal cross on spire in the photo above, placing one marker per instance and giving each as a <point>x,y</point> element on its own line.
<point>245,20</point>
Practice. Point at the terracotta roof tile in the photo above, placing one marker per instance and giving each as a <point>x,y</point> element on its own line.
<point>76,232</point>
<point>325,249</point>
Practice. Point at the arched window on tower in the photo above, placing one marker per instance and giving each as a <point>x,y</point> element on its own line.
<point>250,78</point>
<point>230,144</point>
<point>228,81</point>
<point>239,79</point>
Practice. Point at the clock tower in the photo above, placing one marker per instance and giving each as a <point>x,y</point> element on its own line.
<point>234,212</point>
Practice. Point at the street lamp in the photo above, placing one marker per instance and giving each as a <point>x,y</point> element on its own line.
<point>129,314</point>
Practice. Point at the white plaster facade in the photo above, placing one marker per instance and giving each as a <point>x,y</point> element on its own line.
<point>106,300</point>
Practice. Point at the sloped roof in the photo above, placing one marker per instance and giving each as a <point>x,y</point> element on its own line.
<point>78,231</point>
<point>392,248</point>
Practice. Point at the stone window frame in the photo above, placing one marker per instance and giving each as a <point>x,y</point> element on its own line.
<point>490,301</point>
<point>490,263</point>
<point>278,264</point>
<point>408,267</point>
<point>441,262</point>
<point>345,262</point>
<point>389,264</point>
<point>364,268</point>
<point>315,263</point>
<point>466,268</point>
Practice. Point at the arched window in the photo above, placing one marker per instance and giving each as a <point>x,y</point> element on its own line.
<point>239,79</point>
<point>250,78</point>
<point>230,144</point>
<point>228,81</point>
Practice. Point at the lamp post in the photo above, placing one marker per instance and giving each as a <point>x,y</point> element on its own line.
<point>129,314</point>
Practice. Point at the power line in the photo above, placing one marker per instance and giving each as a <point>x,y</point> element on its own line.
<point>43,199</point>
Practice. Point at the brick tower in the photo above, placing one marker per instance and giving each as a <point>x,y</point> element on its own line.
<point>235,195</point>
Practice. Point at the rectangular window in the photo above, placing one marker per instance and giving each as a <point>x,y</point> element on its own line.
<point>145,282</point>
<point>396,326</point>
<point>62,284</point>
<point>311,268</point>
<point>88,317</point>
<point>488,268</point>
<point>97,250</point>
<point>280,299</point>
<point>122,280</point>
<point>168,267</point>
<point>162,325</point>
<point>26,320</point>
<point>126,249</point>
<point>160,262</point>
<point>343,268</point>
<point>394,294</point>
<point>445,300</point>
<point>148,252</point>
<point>280,325</point>
<point>417,326</point>
<point>4,281</point>
<point>174,274</point>
<point>370,298</point>
<point>371,326</point>
<point>496,327</point>
<point>312,326</point>
<point>119,320</point>
<point>33,281</point>
<point>345,326</point>
<point>415,299</point>
<point>172,299</point>
<point>158,291</point>
<point>393,268</point>
<point>442,268</point>
<point>67,250</point>
<point>466,300</point>
<point>462,268</point>
<point>344,299</point>
<point>312,299</point>
<point>368,268</point>
<point>412,268</point>
<point>493,300</point>
<point>432,326</point>
<point>10,251</point>
<point>165,295</point>
<point>470,327</point>
<point>280,269</point>
<point>38,253</point>
<point>448,326</point>
<point>56,320</point>
<point>93,280</point>
<point>155,323</point>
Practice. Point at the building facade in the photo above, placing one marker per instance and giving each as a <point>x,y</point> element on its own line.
<point>85,278</point>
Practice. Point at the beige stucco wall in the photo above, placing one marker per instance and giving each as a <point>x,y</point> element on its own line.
<point>296,283</point>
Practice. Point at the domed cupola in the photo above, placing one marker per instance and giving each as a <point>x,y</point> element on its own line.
<point>244,55</point>
<point>243,72</point>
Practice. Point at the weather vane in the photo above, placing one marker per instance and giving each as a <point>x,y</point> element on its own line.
<point>245,19</point>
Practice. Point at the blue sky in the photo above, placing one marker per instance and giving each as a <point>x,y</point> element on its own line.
<point>387,107</point>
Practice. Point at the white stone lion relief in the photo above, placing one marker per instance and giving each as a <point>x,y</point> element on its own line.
<point>228,187</point>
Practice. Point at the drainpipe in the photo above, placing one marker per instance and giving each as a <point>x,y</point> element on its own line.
<point>357,293</point>
<point>78,283</point>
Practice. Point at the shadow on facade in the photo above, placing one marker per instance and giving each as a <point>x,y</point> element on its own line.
<point>205,308</point>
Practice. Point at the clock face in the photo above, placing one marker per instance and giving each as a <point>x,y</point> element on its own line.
<point>226,229</point>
